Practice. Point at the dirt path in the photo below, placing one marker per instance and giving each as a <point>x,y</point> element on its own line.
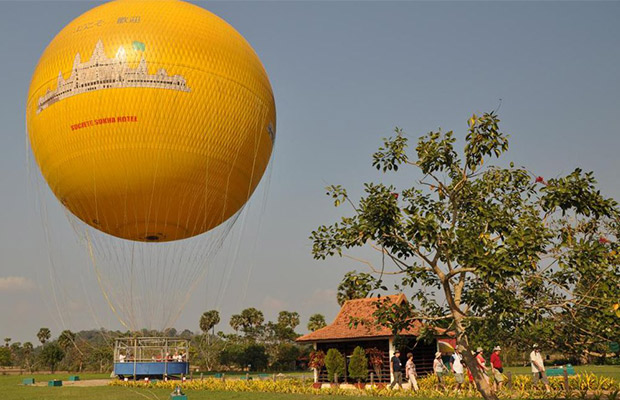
<point>86,383</point>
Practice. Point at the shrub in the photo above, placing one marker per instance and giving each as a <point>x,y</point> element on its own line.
<point>335,364</point>
<point>358,365</point>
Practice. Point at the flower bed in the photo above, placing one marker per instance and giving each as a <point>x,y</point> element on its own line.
<point>522,387</point>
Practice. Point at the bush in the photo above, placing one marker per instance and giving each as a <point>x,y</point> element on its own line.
<point>335,364</point>
<point>358,365</point>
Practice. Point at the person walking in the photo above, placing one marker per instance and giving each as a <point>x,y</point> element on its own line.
<point>538,368</point>
<point>438,369</point>
<point>496,369</point>
<point>482,364</point>
<point>411,373</point>
<point>456,363</point>
<point>396,368</point>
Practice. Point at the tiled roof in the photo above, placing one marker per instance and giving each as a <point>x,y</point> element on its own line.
<point>362,309</point>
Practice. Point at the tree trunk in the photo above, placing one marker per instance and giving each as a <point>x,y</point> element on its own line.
<point>461,340</point>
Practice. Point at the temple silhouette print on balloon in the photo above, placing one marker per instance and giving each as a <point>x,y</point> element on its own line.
<point>101,72</point>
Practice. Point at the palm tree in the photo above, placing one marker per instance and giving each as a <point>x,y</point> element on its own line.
<point>44,335</point>
<point>316,322</point>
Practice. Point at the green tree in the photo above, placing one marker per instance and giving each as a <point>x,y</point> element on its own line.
<point>7,341</point>
<point>358,365</point>
<point>51,355</point>
<point>335,364</point>
<point>494,242</point>
<point>284,329</point>
<point>66,339</point>
<point>28,356</point>
<point>5,356</point>
<point>250,322</point>
<point>355,286</point>
<point>208,320</point>
<point>44,335</point>
<point>316,322</point>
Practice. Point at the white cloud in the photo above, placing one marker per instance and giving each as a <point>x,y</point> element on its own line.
<point>273,305</point>
<point>15,284</point>
<point>322,297</point>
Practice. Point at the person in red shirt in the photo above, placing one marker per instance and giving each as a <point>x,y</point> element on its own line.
<point>497,369</point>
<point>481,364</point>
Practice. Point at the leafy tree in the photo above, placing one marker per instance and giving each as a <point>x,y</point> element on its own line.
<point>208,320</point>
<point>316,322</point>
<point>51,355</point>
<point>358,365</point>
<point>101,356</point>
<point>250,322</point>
<point>355,286</point>
<point>5,356</point>
<point>28,356</point>
<point>286,356</point>
<point>7,341</point>
<point>473,242</point>
<point>44,335</point>
<point>284,329</point>
<point>66,339</point>
<point>335,364</point>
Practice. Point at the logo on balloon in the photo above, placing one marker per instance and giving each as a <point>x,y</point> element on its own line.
<point>101,72</point>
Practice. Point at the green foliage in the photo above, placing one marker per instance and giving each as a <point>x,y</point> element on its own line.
<point>244,355</point>
<point>208,320</point>
<point>5,356</point>
<point>250,322</point>
<point>334,363</point>
<point>355,286</point>
<point>51,355</point>
<point>358,365</point>
<point>508,251</point>
<point>316,322</point>
<point>66,339</point>
<point>44,335</point>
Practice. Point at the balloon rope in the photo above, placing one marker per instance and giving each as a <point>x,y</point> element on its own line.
<point>97,272</point>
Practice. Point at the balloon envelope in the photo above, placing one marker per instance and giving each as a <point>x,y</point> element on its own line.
<point>151,120</point>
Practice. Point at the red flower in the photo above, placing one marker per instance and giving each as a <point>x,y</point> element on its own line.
<point>603,240</point>
<point>540,179</point>
<point>395,195</point>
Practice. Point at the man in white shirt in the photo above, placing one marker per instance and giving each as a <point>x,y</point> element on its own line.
<point>538,368</point>
<point>456,361</point>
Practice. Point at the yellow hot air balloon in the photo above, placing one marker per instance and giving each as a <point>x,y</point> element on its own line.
<point>151,120</point>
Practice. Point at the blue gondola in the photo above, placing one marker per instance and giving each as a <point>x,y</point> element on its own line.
<point>151,357</point>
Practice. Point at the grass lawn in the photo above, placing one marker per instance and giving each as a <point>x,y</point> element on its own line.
<point>612,371</point>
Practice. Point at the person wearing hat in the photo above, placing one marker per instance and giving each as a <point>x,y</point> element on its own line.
<point>438,369</point>
<point>411,373</point>
<point>538,368</point>
<point>396,368</point>
<point>482,364</point>
<point>496,369</point>
<point>456,363</point>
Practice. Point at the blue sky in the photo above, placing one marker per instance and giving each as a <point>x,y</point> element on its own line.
<point>344,74</point>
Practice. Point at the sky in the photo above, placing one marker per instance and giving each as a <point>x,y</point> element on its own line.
<point>344,74</point>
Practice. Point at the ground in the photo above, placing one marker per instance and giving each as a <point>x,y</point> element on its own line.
<point>11,389</point>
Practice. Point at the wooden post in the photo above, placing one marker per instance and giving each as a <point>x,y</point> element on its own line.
<point>247,376</point>
<point>201,376</point>
<point>372,378</point>
<point>275,378</point>
<point>509,383</point>
<point>565,370</point>
<point>223,376</point>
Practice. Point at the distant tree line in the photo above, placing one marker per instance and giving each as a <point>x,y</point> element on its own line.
<point>255,345</point>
